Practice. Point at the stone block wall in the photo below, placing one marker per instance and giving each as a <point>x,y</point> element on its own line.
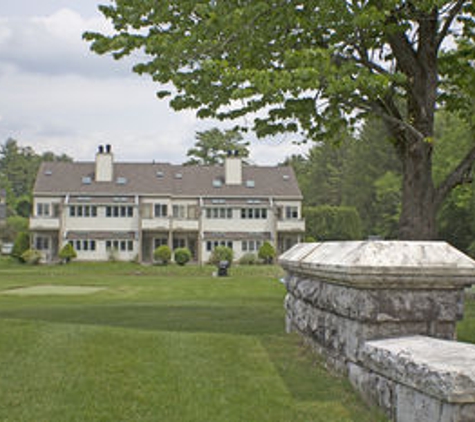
<point>344,295</point>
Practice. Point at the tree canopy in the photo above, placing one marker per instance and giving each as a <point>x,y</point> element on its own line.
<point>315,67</point>
<point>18,169</point>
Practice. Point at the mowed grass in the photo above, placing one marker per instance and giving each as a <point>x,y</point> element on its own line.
<point>159,344</point>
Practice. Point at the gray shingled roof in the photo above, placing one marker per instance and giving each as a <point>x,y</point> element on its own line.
<point>177,180</point>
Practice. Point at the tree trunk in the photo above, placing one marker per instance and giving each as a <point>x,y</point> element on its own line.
<point>419,210</point>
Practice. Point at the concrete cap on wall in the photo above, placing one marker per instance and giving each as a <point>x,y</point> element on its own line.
<point>383,264</point>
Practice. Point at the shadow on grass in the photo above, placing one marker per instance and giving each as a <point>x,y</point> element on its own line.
<point>189,318</point>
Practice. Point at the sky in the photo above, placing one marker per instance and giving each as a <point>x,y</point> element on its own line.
<point>56,95</point>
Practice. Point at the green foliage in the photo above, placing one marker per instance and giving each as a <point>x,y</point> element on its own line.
<point>21,244</point>
<point>182,256</point>
<point>387,205</point>
<point>267,253</point>
<point>18,169</point>
<point>31,257</point>
<point>316,69</point>
<point>221,253</point>
<point>213,145</point>
<point>13,226</point>
<point>332,223</point>
<point>23,206</point>
<point>67,253</point>
<point>248,259</point>
<point>162,254</point>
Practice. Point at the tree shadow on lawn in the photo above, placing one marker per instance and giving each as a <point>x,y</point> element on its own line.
<point>240,320</point>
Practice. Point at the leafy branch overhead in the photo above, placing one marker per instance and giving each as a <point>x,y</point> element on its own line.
<point>313,67</point>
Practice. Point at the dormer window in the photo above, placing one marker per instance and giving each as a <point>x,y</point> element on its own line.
<point>217,183</point>
<point>159,174</point>
<point>86,180</point>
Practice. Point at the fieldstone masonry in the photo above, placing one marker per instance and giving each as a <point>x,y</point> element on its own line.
<point>384,313</point>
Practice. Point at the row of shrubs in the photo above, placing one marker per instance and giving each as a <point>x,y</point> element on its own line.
<point>162,254</point>
<point>266,255</point>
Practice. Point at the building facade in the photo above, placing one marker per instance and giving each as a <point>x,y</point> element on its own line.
<point>126,210</point>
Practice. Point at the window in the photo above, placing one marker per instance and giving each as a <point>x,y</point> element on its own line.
<point>291,213</point>
<point>254,213</point>
<point>120,245</point>
<point>251,245</point>
<point>210,244</point>
<point>42,243</point>
<point>122,211</point>
<point>219,213</point>
<point>42,210</point>
<point>82,211</point>
<point>83,245</point>
<point>179,211</point>
<point>161,210</point>
<point>178,243</point>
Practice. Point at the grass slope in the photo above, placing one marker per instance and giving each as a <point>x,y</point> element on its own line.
<point>159,344</point>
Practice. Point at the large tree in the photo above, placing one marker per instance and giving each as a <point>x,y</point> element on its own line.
<point>314,67</point>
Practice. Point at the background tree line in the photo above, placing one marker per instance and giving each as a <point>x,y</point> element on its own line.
<point>18,169</point>
<point>363,174</point>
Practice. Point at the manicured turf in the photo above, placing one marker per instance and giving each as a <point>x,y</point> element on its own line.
<point>159,344</point>
<point>466,327</point>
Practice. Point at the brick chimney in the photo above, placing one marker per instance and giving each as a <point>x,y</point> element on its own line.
<point>104,164</point>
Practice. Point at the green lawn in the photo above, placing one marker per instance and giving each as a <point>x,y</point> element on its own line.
<point>161,344</point>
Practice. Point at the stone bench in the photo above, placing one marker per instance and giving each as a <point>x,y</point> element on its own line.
<point>418,378</point>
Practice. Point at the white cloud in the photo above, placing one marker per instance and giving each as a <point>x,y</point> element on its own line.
<point>57,95</point>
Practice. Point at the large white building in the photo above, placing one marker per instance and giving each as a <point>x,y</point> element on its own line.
<point>129,209</point>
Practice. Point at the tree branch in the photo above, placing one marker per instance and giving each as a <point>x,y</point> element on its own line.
<point>448,22</point>
<point>459,176</point>
<point>394,119</point>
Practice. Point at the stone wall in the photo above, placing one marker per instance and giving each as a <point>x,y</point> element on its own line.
<point>344,295</point>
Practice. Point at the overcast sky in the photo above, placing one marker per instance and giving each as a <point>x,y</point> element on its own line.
<point>56,95</point>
